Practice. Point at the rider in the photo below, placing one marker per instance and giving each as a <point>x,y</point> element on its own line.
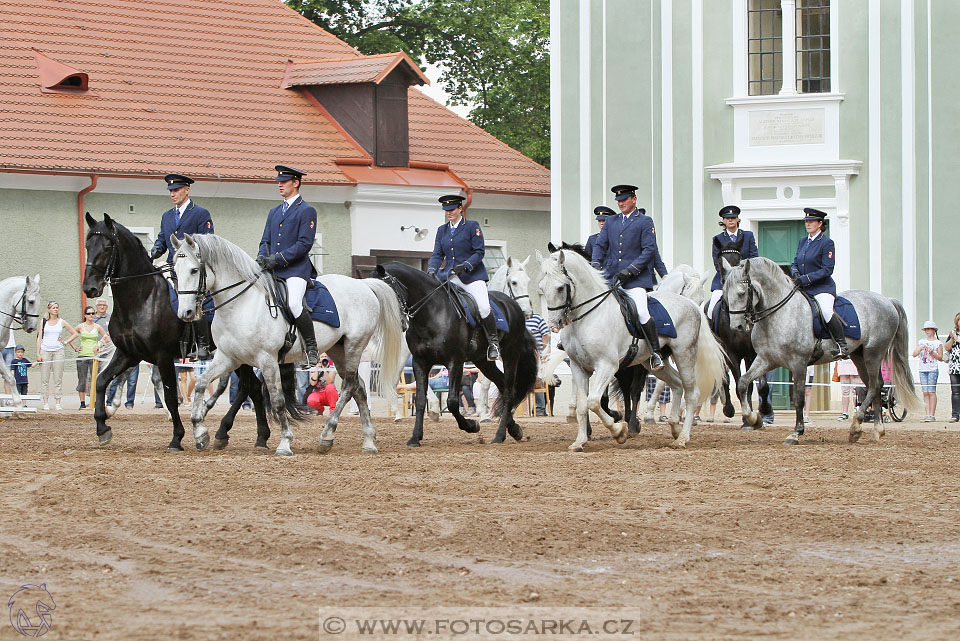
<point>459,248</point>
<point>626,250</point>
<point>186,217</point>
<point>286,252</point>
<point>731,224</point>
<point>812,270</point>
<point>602,213</point>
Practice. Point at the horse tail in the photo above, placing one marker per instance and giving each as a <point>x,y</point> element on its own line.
<point>528,363</point>
<point>390,332</point>
<point>711,359</point>
<point>897,357</point>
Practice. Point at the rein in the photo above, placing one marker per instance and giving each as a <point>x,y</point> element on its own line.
<point>570,307</point>
<point>754,315</point>
<point>510,291</point>
<point>107,272</point>
<point>202,290</point>
<point>23,315</point>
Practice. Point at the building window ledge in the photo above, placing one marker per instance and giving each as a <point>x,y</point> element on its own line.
<point>805,98</point>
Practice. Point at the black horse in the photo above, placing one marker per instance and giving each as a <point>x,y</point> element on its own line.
<point>437,334</point>
<point>631,380</point>
<point>736,344</point>
<point>143,326</point>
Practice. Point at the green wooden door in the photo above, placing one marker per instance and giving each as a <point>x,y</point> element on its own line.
<point>778,240</point>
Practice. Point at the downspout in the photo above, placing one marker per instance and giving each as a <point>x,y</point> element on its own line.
<point>81,235</point>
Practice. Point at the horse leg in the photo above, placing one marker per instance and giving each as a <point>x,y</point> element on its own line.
<point>870,375</point>
<point>756,369</point>
<point>421,373</point>
<point>683,384</point>
<point>455,370</point>
<point>220,365</point>
<point>270,371</point>
<point>168,376</point>
<point>120,362</point>
<point>635,387</point>
<point>7,375</point>
<point>763,390</point>
<point>369,430</point>
<point>254,389</point>
<point>115,404</point>
<point>580,380</point>
<point>217,393</point>
<point>728,409</point>
<point>601,378</point>
<point>799,372</point>
<point>222,437</point>
<point>350,383</point>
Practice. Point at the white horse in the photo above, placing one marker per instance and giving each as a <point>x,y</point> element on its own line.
<point>246,330</point>
<point>19,303</point>
<point>576,300</point>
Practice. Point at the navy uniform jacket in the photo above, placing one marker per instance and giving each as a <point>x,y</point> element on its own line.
<point>814,264</point>
<point>291,237</point>
<point>195,220</point>
<point>591,241</point>
<point>463,247</point>
<point>629,244</point>
<point>747,250</point>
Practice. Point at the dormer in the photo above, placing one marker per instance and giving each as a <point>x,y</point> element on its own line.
<point>367,96</point>
<point>56,77</point>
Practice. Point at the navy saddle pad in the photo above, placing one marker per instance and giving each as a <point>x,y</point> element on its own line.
<point>470,307</point>
<point>657,311</point>
<point>322,307</point>
<point>848,317</point>
<point>175,301</point>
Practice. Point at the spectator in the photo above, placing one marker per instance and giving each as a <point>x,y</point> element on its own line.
<point>541,336</point>
<point>89,333</point>
<point>186,379</point>
<point>20,366</point>
<point>953,368</point>
<point>8,353</point>
<point>321,391</point>
<point>50,353</point>
<point>470,372</point>
<point>662,400</point>
<point>929,350</point>
<point>131,378</point>
<point>849,384</point>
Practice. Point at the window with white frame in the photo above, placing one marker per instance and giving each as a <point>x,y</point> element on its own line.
<point>808,27</point>
<point>493,258</point>
<point>317,253</point>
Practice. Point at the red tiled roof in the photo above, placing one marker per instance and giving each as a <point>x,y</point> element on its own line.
<point>340,71</point>
<point>195,87</point>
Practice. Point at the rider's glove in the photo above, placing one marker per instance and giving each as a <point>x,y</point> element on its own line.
<point>268,263</point>
<point>459,269</point>
<point>156,253</point>
<point>624,275</point>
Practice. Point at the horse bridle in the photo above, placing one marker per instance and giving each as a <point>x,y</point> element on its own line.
<point>107,271</point>
<point>568,305</point>
<point>510,291</point>
<point>202,293</point>
<point>752,314</point>
<point>23,309</point>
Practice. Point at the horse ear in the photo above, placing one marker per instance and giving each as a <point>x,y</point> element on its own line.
<point>91,221</point>
<point>716,242</point>
<point>540,258</point>
<point>525,261</point>
<point>35,280</point>
<point>188,239</point>
<point>746,267</point>
<point>107,220</point>
<point>379,271</point>
<point>509,262</point>
<point>550,248</point>
<point>560,258</point>
<point>738,243</point>
<point>174,242</point>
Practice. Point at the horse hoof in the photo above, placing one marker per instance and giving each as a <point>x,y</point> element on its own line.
<point>746,428</point>
<point>729,411</point>
<point>472,427</point>
<point>677,445</point>
<point>369,450</point>
<point>498,439</point>
<point>261,445</point>
<point>855,436</point>
<point>175,448</point>
<point>325,446</point>
<point>515,431</point>
<point>283,453</point>
<point>434,416</point>
<point>220,443</point>
<point>413,443</point>
<point>575,448</point>
<point>793,439</point>
<point>202,443</point>
<point>621,436</point>
<point>106,437</point>
<point>876,436</point>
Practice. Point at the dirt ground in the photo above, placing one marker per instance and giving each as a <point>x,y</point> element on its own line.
<point>735,537</point>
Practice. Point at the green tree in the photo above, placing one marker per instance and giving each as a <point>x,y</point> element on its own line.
<point>494,55</point>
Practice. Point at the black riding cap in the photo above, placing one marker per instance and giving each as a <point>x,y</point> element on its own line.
<point>730,211</point>
<point>288,173</point>
<point>622,192</point>
<point>176,181</point>
<point>602,212</point>
<point>451,202</point>
<point>814,214</point>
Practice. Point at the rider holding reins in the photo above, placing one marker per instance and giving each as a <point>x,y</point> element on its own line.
<point>458,255</point>
<point>626,250</point>
<point>812,269</point>
<point>285,248</point>
<point>186,217</point>
<point>730,216</point>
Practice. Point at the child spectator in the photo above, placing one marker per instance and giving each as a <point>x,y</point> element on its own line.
<point>19,367</point>
<point>929,350</point>
<point>321,392</point>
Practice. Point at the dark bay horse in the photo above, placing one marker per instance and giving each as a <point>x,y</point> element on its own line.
<point>437,334</point>
<point>143,326</point>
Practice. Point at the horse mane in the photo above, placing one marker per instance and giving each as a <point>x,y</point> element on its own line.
<point>577,266</point>
<point>219,250</point>
<point>763,268</point>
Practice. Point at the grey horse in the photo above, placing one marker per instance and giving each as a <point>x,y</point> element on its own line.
<point>764,301</point>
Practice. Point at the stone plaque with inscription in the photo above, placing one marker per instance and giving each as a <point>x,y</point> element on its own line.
<point>786,127</point>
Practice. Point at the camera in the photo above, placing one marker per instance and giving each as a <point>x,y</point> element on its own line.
<point>325,362</point>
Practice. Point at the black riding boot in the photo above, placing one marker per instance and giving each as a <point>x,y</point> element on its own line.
<point>650,333</point>
<point>489,324</point>
<point>305,326</point>
<point>835,327</point>
<point>201,332</point>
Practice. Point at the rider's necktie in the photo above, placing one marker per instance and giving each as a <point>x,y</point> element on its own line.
<point>178,215</point>
<point>286,206</point>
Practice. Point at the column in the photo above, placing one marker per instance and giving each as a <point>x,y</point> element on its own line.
<point>788,21</point>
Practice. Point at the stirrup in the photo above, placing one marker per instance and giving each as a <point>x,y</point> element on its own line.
<point>493,351</point>
<point>656,361</point>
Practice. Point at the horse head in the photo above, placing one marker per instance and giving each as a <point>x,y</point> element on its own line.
<point>191,276</point>
<point>102,249</point>
<point>730,255</point>
<point>556,289</point>
<point>29,306</point>
<point>518,284</point>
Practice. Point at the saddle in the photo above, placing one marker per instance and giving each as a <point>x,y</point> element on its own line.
<point>658,313</point>
<point>470,311</point>
<point>844,310</point>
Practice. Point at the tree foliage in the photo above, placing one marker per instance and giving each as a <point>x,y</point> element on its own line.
<point>494,55</point>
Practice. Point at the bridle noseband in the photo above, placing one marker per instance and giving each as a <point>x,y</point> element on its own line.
<point>108,277</point>
<point>510,291</point>
<point>568,305</point>
<point>202,293</point>
<point>753,314</point>
<point>23,315</point>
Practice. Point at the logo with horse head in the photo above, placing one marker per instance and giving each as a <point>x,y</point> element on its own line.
<point>30,609</point>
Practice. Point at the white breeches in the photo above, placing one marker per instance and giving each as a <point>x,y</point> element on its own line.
<point>478,291</point>
<point>715,297</point>
<point>826,305</point>
<point>296,288</point>
<point>639,296</point>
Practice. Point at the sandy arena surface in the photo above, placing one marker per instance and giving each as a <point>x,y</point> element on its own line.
<point>736,537</point>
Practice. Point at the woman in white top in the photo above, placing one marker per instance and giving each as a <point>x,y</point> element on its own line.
<point>50,353</point>
<point>929,350</point>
